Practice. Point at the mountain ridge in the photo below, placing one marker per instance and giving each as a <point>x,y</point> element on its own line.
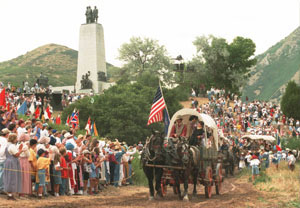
<point>274,68</point>
<point>57,62</point>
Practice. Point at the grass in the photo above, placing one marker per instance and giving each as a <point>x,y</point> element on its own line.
<point>139,177</point>
<point>282,184</point>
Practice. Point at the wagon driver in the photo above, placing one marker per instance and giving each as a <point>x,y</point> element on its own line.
<point>178,129</point>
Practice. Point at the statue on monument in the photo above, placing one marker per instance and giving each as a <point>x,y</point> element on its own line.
<point>91,15</point>
<point>86,83</point>
<point>42,81</point>
<point>102,76</point>
<point>95,14</point>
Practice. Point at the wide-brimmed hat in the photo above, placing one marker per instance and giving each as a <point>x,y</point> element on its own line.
<point>86,152</point>
<point>67,135</point>
<point>44,140</point>
<point>80,136</point>
<point>5,131</point>
<point>179,117</point>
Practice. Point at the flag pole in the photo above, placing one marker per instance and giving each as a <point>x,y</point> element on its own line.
<point>164,98</point>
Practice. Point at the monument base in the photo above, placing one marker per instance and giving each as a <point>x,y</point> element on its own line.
<point>104,85</point>
<point>84,91</point>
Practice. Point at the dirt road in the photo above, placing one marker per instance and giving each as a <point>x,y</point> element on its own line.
<point>235,193</point>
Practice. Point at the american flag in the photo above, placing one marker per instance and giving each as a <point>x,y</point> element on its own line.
<point>156,112</point>
<point>74,118</point>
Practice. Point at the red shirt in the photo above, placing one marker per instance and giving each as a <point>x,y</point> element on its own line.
<point>63,164</point>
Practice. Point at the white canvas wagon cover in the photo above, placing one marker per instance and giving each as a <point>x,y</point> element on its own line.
<point>185,113</point>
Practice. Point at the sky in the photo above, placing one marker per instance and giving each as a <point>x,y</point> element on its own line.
<point>28,24</point>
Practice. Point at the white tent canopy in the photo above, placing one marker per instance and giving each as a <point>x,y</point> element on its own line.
<point>187,112</point>
<point>256,137</point>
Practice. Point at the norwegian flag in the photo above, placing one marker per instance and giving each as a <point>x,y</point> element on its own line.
<point>74,119</point>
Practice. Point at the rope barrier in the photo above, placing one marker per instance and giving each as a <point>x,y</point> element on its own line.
<point>31,172</point>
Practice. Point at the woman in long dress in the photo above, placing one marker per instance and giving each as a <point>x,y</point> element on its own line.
<point>25,165</point>
<point>12,171</point>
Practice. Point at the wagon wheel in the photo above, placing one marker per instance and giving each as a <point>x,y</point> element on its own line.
<point>208,182</point>
<point>164,187</point>
<point>219,178</point>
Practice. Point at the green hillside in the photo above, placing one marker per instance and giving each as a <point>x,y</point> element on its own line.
<point>274,69</point>
<point>57,62</point>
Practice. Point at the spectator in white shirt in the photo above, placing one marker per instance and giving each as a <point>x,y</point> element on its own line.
<point>21,129</point>
<point>3,144</point>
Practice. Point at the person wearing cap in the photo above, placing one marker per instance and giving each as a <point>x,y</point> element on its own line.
<point>3,144</point>
<point>12,171</point>
<point>178,129</point>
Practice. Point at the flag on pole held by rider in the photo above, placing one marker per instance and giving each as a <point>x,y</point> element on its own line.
<point>156,112</point>
<point>159,111</point>
<point>166,121</point>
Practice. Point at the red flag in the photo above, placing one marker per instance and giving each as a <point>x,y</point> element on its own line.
<point>88,126</point>
<point>2,98</point>
<point>278,148</point>
<point>58,121</point>
<point>37,113</point>
<point>68,121</point>
<point>48,112</point>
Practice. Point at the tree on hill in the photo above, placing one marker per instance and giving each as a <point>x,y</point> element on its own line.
<point>122,111</point>
<point>226,65</point>
<point>144,55</point>
<point>290,100</point>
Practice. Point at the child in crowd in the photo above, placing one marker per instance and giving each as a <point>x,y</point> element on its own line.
<point>64,172</point>
<point>42,168</point>
<point>254,163</point>
<point>87,169</point>
<point>32,158</point>
<point>57,174</point>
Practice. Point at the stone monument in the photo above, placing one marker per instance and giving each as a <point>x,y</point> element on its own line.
<point>91,68</point>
